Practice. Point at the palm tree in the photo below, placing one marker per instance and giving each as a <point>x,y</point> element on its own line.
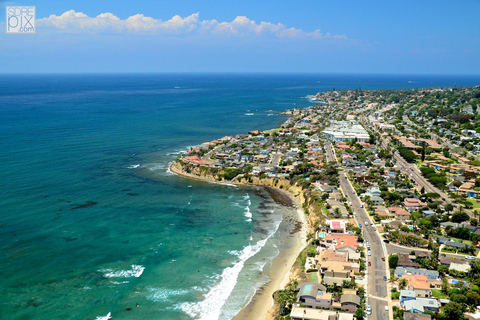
<point>402,283</point>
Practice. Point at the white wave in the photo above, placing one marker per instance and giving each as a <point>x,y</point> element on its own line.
<point>235,253</point>
<point>108,316</point>
<point>133,166</point>
<point>248,214</point>
<point>175,152</point>
<point>189,186</point>
<point>249,114</point>
<point>157,167</point>
<point>164,294</point>
<point>136,272</point>
<point>210,308</point>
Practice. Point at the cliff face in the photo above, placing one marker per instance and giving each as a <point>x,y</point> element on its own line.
<point>215,175</point>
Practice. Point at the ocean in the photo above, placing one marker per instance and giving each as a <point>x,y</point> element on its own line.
<point>93,223</point>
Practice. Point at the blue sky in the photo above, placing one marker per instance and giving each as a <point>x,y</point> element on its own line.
<point>427,37</point>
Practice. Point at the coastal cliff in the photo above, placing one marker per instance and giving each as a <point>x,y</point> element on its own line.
<point>217,175</point>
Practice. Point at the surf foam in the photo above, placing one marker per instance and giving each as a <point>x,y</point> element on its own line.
<point>136,272</point>
<point>211,307</point>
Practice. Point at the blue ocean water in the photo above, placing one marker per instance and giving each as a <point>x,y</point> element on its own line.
<point>91,220</point>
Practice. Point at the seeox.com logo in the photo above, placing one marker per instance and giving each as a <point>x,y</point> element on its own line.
<point>20,19</point>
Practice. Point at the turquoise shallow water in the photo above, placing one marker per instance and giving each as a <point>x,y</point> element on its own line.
<point>91,221</point>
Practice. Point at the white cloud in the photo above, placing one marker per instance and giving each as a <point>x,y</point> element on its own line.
<point>241,26</point>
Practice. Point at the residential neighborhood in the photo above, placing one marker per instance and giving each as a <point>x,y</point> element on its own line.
<point>389,181</point>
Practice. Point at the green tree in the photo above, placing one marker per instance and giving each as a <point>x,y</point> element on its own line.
<point>402,283</point>
<point>460,217</point>
<point>448,207</point>
<point>393,261</point>
<point>453,311</point>
<point>445,285</point>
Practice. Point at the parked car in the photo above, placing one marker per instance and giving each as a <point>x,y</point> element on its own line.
<point>385,278</point>
<point>366,223</point>
<point>369,264</point>
<point>369,252</point>
<point>470,257</point>
<point>383,258</point>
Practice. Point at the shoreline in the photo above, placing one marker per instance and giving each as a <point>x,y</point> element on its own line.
<point>258,307</point>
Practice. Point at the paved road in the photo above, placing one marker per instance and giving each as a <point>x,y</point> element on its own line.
<point>330,154</point>
<point>377,288</point>
<point>415,174</point>
<point>275,160</point>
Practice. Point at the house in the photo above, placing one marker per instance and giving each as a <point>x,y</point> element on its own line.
<point>331,255</point>
<point>338,269</point>
<point>373,191</point>
<point>444,261</point>
<point>299,313</point>
<point>404,260</point>
<point>420,305</point>
<point>413,204</point>
<point>416,316</point>
<point>310,295</point>
<point>442,240</point>
<point>406,295</point>
<point>419,284</point>
<point>431,274</point>
<point>428,213</point>
<point>455,245</point>
<point>422,254</point>
<point>342,242</point>
<point>377,200</point>
<point>444,225</point>
<point>350,302</point>
<point>400,213</point>
<point>468,189</point>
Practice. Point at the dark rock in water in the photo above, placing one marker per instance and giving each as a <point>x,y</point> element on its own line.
<point>132,194</point>
<point>86,205</point>
<point>69,239</point>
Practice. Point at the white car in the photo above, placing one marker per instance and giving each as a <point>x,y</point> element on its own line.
<point>386,308</point>
<point>470,257</point>
<point>369,252</point>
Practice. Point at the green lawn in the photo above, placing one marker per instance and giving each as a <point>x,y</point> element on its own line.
<point>464,241</point>
<point>476,203</point>
<point>438,294</point>
<point>312,277</point>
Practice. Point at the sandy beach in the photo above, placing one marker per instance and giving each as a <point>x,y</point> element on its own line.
<point>279,272</point>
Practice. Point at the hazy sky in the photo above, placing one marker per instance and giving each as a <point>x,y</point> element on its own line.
<point>438,37</point>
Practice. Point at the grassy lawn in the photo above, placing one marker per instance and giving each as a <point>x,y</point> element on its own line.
<point>464,241</point>
<point>476,203</point>
<point>312,277</point>
<point>438,294</point>
<point>325,211</point>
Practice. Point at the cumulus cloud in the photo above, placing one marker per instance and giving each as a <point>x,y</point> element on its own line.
<point>241,26</point>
